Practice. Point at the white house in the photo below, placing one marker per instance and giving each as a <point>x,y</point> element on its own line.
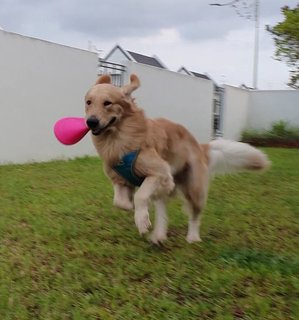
<point>114,63</point>
<point>119,55</point>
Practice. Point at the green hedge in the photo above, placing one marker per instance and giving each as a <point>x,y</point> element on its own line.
<point>281,134</point>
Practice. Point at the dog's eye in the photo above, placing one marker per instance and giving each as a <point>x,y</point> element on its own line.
<point>88,102</point>
<point>107,103</point>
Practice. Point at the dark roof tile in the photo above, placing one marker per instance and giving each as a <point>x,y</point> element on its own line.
<point>146,60</point>
<point>200,75</point>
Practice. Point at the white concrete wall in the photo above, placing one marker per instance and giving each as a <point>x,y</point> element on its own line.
<point>235,112</point>
<point>177,97</point>
<point>40,82</point>
<point>245,109</point>
<point>266,107</point>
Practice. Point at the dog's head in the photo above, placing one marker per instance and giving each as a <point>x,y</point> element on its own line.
<point>107,105</point>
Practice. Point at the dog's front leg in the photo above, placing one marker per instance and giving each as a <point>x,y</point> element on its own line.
<point>141,200</point>
<point>158,183</point>
<point>151,186</point>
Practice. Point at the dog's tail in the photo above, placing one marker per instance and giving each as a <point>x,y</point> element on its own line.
<point>230,156</point>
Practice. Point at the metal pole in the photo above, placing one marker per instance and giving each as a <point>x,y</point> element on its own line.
<point>256,43</point>
<point>256,17</point>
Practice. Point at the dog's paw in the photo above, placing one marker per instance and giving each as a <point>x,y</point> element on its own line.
<point>169,185</point>
<point>142,222</point>
<point>157,238</point>
<point>191,238</point>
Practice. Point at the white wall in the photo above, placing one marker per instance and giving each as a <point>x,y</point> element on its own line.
<point>40,82</point>
<point>178,97</point>
<point>244,109</point>
<point>235,112</point>
<point>266,107</point>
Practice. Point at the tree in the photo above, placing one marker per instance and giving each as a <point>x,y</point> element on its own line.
<point>286,38</point>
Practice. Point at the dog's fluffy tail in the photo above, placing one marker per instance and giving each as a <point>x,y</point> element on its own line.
<point>231,156</point>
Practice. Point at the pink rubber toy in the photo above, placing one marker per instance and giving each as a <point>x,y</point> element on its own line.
<point>70,130</point>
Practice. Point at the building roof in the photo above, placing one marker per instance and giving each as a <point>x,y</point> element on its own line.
<point>137,57</point>
<point>244,86</point>
<point>197,75</point>
<point>184,70</point>
<point>200,75</point>
<point>192,73</point>
<point>151,61</point>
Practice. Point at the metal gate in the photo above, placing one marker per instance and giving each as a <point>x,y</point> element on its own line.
<point>218,112</point>
<point>115,70</point>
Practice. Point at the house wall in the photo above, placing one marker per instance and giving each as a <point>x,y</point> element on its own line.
<point>117,57</point>
<point>266,107</point>
<point>40,82</point>
<point>178,97</point>
<point>235,112</point>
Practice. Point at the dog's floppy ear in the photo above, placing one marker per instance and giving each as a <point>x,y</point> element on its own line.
<point>133,85</point>
<point>105,78</point>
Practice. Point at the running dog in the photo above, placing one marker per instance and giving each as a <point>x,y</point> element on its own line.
<point>158,156</point>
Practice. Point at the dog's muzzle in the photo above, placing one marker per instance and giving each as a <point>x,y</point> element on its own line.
<point>95,126</point>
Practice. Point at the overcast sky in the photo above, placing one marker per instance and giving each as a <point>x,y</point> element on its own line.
<point>190,33</point>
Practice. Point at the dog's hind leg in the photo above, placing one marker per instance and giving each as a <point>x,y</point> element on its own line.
<point>195,190</point>
<point>123,196</point>
<point>194,209</point>
<point>193,234</point>
<point>159,233</point>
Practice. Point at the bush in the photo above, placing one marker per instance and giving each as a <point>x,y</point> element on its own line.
<point>280,135</point>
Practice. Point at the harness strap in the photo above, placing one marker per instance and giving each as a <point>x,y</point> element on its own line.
<point>125,168</point>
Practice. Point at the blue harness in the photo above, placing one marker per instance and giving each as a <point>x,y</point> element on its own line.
<point>125,168</point>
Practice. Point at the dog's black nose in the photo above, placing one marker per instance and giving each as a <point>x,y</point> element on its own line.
<point>92,122</point>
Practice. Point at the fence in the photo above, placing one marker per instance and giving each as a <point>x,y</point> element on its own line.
<point>245,109</point>
<point>48,81</point>
<point>181,98</point>
<point>266,107</point>
<point>40,82</point>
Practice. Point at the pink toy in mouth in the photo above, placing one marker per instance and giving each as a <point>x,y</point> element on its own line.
<point>70,130</point>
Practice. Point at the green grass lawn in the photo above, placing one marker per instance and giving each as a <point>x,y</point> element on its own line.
<point>67,253</point>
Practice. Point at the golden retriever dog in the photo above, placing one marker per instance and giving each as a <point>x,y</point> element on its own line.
<point>167,157</point>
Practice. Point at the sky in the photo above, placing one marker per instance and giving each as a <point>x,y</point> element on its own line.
<point>207,39</point>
